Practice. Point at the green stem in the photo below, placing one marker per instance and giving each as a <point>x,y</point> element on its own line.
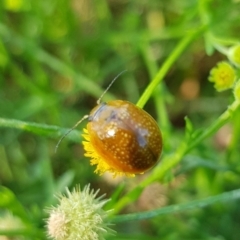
<point>167,65</point>
<point>223,41</point>
<point>223,119</point>
<point>40,129</point>
<point>172,209</point>
<point>159,93</point>
<point>222,49</point>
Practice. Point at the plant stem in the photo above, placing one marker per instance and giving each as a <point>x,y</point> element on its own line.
<point>224,197</point>
<point>39,129</point>
<point>223,119</point>
<point>167,65</point>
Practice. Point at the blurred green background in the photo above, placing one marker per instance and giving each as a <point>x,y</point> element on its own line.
<point>56,59</point>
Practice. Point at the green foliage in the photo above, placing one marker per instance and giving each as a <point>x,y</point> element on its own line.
<point>56,59</point>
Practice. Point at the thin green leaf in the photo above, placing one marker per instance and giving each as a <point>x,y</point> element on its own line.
<point>221,198</point>
<point>40,129</point>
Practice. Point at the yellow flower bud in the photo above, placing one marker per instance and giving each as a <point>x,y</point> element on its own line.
<point>234,55</point>
<point>223,76</point>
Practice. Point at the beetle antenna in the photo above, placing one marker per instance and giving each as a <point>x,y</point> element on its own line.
<point>86,116</point>
<point>110,84</point>
<point>70,130</point>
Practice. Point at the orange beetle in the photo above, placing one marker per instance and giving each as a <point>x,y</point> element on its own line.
<point>122,138</point>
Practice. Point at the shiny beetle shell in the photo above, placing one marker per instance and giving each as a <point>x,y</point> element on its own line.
<point>125,136</point>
